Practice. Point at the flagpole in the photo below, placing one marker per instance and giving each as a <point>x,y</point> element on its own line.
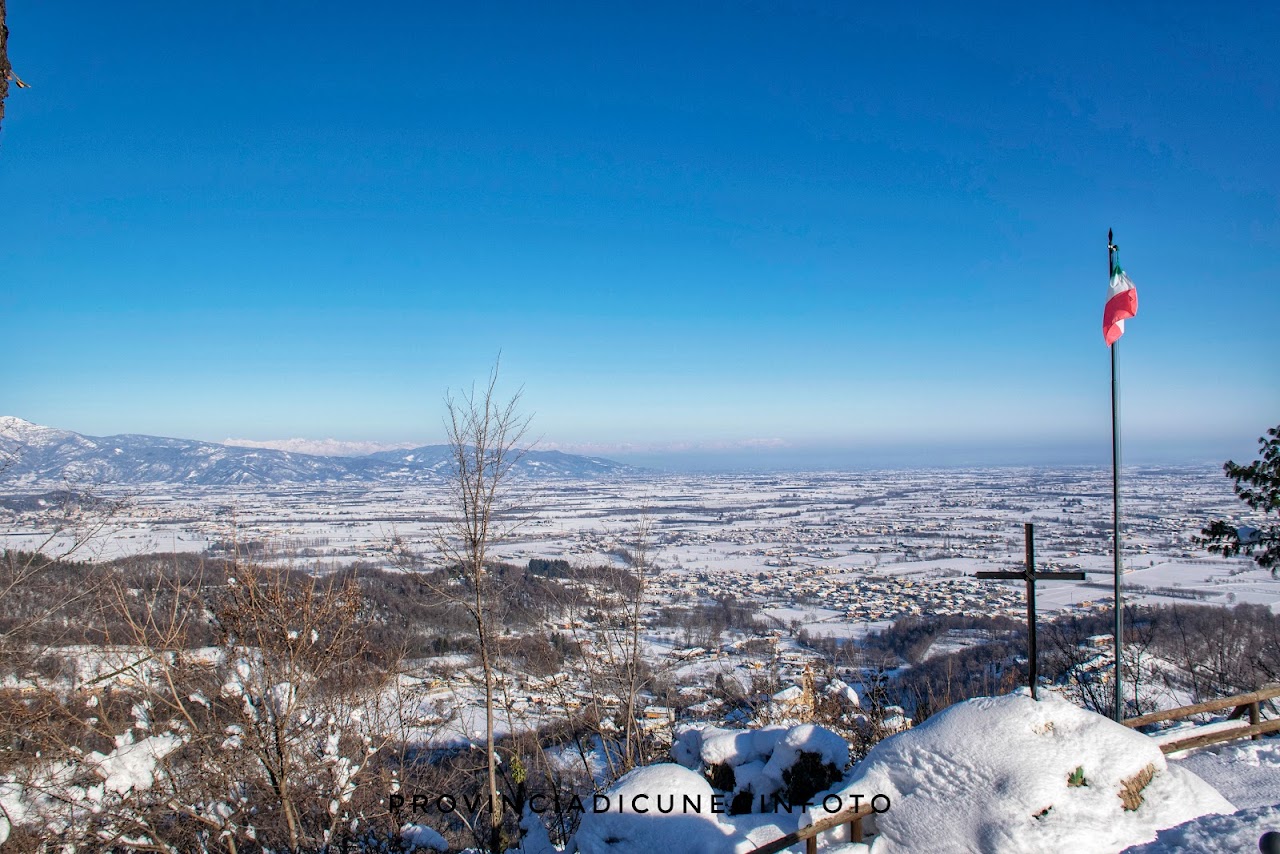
<point>1115,502</point>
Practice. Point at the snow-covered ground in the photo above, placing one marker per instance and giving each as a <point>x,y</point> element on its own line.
<point>1239,833</point>
<point>997,774</point>
<point>1247,773</point>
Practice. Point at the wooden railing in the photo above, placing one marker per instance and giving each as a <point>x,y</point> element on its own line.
<point>809,835</point>
<point>1241,704</point>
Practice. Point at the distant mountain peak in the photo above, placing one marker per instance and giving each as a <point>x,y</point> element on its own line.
<point>47,454</point>
<point>24,432</point>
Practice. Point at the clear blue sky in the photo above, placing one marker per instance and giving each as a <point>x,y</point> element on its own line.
<point>709,224</point>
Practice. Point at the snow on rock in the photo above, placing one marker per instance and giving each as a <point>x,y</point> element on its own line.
<point>421,836</point>
<point>133,765</point>
<point>1211,834</point>
<point>1013,774</point>
<point>692,820</point>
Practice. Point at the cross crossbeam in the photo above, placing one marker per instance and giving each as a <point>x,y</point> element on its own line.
<point>1030,576</point>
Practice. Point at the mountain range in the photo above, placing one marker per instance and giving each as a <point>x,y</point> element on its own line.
<point>31,453</point>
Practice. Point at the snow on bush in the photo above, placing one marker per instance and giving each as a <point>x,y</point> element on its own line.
<point>840,689</point>
<point>132,766</point>
<point>417,836</point>
<point>680,813</point>
<point>759,767</point>
<point>830,748</point>
<point>534,838</point>
<point>1015,774</point>
<point>687,743</point>
<point>735,747</point>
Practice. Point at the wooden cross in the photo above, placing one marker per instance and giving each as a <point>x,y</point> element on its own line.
<point>1031,577</point>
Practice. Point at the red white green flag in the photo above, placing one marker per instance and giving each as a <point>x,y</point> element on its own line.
<point>1122,303</point>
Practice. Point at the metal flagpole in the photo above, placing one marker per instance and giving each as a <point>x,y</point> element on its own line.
<point>1115,501</point>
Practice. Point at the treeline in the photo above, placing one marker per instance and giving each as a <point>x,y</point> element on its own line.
<point>70,602</point>
<point>1200,651</point>
<point>703,623</point>
<point>910,638</point>
<point>1207,651</point>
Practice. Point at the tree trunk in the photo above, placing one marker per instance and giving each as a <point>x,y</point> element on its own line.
<point>5,68</point>
<point>486,665</point>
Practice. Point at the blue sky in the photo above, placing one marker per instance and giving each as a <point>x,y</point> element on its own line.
<point>817,229</point>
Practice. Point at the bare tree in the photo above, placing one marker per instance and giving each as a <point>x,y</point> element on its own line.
<point>610,652</point>
<point>33,588</point>
<point>278,730</point>
<point>485,436</point>
<point>635,676</point>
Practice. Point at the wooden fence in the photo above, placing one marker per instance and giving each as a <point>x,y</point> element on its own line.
<point>1241,705</point>
<point>809,835</point>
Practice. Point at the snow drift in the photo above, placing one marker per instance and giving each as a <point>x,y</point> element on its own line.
<point>1015,774</point>
<point>1211,834</point>
<point>691,823</point>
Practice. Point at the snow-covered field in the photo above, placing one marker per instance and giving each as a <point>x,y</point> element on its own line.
<point>760,536</point>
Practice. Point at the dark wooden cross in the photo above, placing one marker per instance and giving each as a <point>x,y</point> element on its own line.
<point>1031,577</point>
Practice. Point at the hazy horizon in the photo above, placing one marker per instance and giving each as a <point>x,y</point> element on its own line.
<point>778,455</point>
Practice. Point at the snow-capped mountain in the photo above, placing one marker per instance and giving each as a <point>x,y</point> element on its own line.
<point>30,452</point>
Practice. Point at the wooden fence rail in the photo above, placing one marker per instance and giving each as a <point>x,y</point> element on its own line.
<point>1241,704</point>
<point>809,835</point>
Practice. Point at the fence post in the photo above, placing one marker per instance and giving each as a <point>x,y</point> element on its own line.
<point>1254,717</point>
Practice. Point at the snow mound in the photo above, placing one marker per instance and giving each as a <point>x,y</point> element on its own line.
<point>1212,834</point>
<point>632,820</point>
<point>1013,774</point>
<point>736,747</point>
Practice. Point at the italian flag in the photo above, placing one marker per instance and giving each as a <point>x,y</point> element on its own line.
<point>1122,303</point>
